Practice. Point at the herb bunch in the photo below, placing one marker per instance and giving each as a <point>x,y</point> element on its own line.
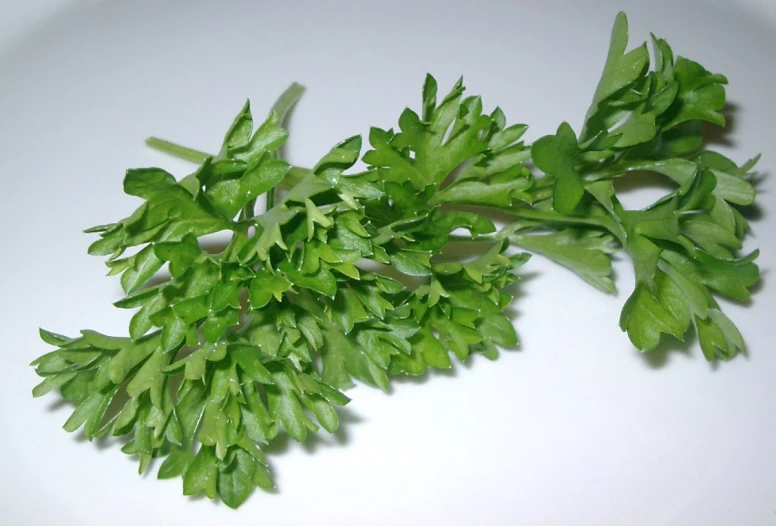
<point>353,276</point>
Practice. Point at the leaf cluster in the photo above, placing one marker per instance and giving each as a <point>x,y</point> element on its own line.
<point>352,276</point>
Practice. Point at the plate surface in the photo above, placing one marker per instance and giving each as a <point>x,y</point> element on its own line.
<point>575,428</point>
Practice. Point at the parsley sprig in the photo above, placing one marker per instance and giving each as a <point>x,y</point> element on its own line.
<point>686,246</point>
<point>349,275</point>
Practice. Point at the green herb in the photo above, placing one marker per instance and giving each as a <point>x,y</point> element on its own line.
<point>348,276</point>
<point>685,247</point>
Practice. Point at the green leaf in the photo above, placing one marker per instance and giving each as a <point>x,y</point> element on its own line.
<point>265,286</point>
<point>52,382</point>
<point>92,409</point>
<point>718,336</point>
<point>701,94</point>
<point>79,388</point>
<point>103,341</point>
<point>493,192</point>
<point>645,319</point>
<point>180,254</point>
<point>457,338</point>
<point>411,263</point>
<point>732,278</point>
<point>232,195</point>
<point>130,356</point>
<point>322,281</point>
<point>341,359</point>
<point>567,191</point>
<point>258,424</point>
<point>640,128</point>
<point>173,333</point>
<point>433,352</point>
<point>195,363</point>
<point>140,268</point>
<point>218,323</point>
<point>554,153</point>
<point>53,338</point>
<point>263,477</point>
<point>240,131</point>
<point>499,329</point>
<point>436,154</point>
<point>248,358</point>
<point>175,464</point>
<point>215,427</point>
<point>733,189</point>
<point>324,413</point>
<point>268,137</point>
<point>235,482</point>
<point>671,296</point>
<point>202,473</point>
<point>585,252</point>
<point>620,70</point>
<point>149,183</point>
<point>284,407</point>
<point>411,364</point>
<point>693,293</point>
<point>150,376</point>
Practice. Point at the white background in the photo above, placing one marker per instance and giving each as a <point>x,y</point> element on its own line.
<point>575,428</point>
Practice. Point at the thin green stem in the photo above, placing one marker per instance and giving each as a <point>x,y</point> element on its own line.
<point>270,199</point>
<point>249,210</point>
<point>542,215</point>
<point>287,100</point>
<point>281,108</point>
<point>294,176</point>
<point>606,223</point>
<point>481,239</point>
<point>176,150</point>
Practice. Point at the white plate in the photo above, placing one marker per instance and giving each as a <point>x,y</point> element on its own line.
<point>577,428</point>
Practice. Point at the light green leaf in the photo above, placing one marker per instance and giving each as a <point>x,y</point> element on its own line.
<point>585,252</point>
<point>52,382</point>
<point>202,473</point>
<point>645,319</point>
<point>433,352</point>
<point>265,286</point>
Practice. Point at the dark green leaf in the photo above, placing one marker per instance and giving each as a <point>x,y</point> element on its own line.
<point>175,464</point>
<point>235,482</point>
<point>248,358</point>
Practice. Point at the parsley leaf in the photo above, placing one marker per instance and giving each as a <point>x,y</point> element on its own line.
<point>358,275</point>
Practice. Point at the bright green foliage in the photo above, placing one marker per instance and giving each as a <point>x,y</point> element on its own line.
<point>262,334</point>
<point>350,277</point>
<point>685,247</point>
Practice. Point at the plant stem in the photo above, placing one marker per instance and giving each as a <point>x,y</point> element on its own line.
<point>281,108</point>
<point>176,150</point>
<point>270,199</point>
<point>481,239</point>
<point>287,100</point>
<point>294,176</point>
<point>249,210</point>
<point>542,215</point>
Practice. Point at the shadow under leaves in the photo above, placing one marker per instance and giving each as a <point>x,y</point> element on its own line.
<point>315,441</point>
